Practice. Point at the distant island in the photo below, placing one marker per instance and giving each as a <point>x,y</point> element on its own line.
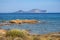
<point>32,11</point>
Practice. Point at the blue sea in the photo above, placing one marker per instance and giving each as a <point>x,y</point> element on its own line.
<point>50,22</point>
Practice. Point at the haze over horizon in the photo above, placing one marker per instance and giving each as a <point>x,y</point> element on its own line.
<point>26,5</point>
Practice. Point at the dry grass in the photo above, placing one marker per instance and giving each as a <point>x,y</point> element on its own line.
<point>15,34</point>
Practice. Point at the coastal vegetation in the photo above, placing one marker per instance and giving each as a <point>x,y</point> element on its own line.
<point>15,34</point>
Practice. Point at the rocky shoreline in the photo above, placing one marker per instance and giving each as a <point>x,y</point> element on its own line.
<point>17,21</point>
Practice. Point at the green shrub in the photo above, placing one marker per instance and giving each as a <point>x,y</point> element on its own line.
<point>21,34</point>
<point>15,33</point>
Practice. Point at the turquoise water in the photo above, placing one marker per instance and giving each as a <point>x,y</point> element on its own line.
<point>50,22</point>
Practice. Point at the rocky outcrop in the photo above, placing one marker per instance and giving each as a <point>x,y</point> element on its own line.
<point>23,21</point>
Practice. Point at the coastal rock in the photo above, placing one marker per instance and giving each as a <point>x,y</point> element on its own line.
<point>2,24</point>
<point>23,21</point>
<point>30,21</point>
<point>16,21</point>
<point>2,32</point>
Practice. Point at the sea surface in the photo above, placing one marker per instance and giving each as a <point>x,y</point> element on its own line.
<point>50,22</point>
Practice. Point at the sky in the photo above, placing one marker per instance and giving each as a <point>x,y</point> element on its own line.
<point>15,5</point>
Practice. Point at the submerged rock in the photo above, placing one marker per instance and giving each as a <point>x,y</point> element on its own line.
<point>2,24</point>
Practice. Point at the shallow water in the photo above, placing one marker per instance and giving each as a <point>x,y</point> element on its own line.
<point>49,22</point>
